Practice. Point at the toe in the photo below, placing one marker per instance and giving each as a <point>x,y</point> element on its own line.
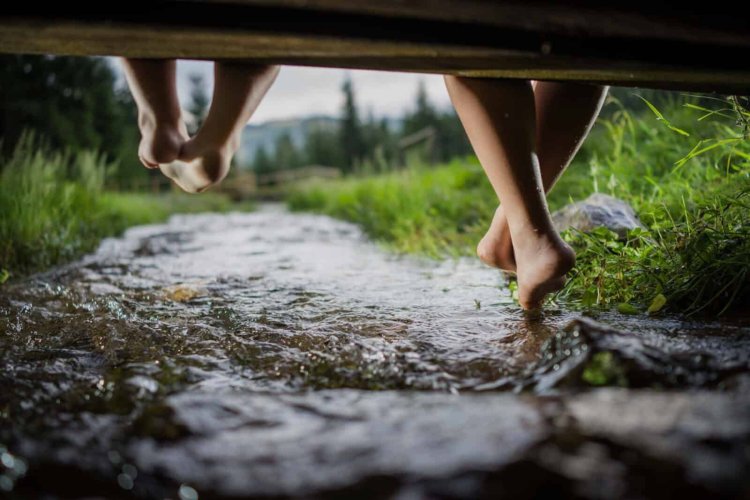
<point>147,163</point>
<point>190,177</point>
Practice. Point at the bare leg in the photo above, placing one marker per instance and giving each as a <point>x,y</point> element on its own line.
<point>499,118</point>
<point>565,112</point>
<point>152,83</point>
<point>205,159</point>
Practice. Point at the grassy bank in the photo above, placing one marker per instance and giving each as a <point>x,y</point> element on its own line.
<point>684,168</point>
<point>423,210</point>
<point>54,207</point>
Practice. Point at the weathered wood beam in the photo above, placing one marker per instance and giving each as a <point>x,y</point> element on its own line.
<point>722,22</point>
<point>634,44</point>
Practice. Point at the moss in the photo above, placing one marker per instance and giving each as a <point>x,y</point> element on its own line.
<point>603,369</point>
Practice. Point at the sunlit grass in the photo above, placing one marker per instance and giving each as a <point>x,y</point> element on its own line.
<point>435,211</point>
<point>692,190</point>
<point>685,169</point>
<point>54,207</point>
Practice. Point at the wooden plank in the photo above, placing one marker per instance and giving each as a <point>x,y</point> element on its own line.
<point>722,22</point>
<point>639,45</point>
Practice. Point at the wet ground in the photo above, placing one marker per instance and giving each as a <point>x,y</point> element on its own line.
<point>274,354</point>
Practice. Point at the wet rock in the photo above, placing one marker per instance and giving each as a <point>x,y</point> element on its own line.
<point>162,243</point>
<point>184,292</point>
<point>606,443</point>
<point>598,210</point>
<point>586,353</point>
<point>254,445</point>
<point>701,438</point>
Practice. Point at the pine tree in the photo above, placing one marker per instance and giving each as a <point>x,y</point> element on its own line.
<point>388,142</point>
<point>450,138</point>
<point>424,114</point>
<point>262,163</point>
<point>322,147</point>
<point>287,156</point>
<point>351,136</point>
<point>72,103</point>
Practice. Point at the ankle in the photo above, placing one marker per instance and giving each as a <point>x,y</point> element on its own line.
<point>547,244</point>
<point>149,120</point>
<point>534,235</point>
<point>202,144</point>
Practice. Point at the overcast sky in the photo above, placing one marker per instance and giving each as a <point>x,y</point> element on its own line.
<point>300,91</point>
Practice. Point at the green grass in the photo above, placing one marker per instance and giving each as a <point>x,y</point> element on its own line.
<point>423,210</point>
<point>130,209</point>
<point>686,171</point>
<point>684,168</point>
<point>54,207</point>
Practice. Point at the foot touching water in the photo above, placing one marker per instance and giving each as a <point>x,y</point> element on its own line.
<point>542,262</point>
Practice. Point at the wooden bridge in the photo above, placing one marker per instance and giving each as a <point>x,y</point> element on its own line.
<point>634,43</point>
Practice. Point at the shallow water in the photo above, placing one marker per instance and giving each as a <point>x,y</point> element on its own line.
<point>277,354</point>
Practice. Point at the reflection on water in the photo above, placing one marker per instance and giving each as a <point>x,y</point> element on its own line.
<point>274,353</point>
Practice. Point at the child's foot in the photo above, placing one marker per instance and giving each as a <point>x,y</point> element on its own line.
<point>160,141</point>
<point>496,247</point>
<point>200,164</point>
<point>542,262</point>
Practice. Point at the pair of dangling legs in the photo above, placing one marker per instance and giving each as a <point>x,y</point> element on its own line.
<point>525,136</point>
<point>194,163</point>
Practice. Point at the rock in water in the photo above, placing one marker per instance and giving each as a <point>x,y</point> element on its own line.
<point>184,292</point>
<point>598,210</point>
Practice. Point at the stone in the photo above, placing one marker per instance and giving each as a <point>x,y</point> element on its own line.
<point>598,210</point>
<point>184,292</point>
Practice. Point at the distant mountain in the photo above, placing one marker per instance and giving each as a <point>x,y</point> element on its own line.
<point>266,134</point>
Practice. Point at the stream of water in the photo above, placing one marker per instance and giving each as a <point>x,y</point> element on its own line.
<point>272,354</point>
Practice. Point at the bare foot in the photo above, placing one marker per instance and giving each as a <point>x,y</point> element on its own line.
<point>496,247</point>
<point>542,263</point>
<point>200,164</point>
<point>160,140</point>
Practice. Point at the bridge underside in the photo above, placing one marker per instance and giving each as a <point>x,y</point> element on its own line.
<point>643,44</point>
